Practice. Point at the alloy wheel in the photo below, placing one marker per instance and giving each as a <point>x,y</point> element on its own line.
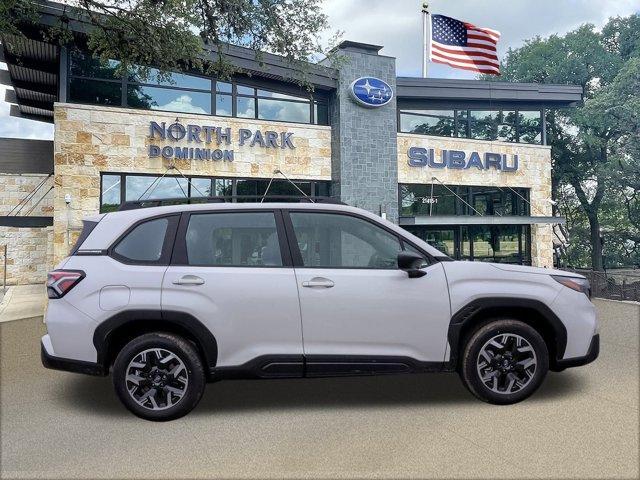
<point>157,379</point>
<point>506,363</point>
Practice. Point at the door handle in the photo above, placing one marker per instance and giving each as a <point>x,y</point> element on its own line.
<point>189,280</point>
<point>318,282</point>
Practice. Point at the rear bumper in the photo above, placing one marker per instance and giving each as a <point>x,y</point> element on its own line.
<point>592,354</point>
<point>69,365</point>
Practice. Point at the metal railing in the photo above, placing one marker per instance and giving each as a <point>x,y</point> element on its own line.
<point>613,284</point>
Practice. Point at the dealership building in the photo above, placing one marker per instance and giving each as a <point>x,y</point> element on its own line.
<point>462,164</point>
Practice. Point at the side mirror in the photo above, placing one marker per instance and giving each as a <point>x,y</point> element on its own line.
<point>411,262</point>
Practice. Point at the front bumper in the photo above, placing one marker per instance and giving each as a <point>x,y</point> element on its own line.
<point>69,365</point>
<point>592,354</point>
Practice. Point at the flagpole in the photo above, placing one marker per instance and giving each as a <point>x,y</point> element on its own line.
<point>426,37</point>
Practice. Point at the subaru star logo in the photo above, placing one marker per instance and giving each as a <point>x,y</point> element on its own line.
<point>371,92</point>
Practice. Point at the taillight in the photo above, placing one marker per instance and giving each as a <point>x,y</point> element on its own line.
<point>59,282</point>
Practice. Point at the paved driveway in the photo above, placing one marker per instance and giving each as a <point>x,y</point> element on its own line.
<point>582,423</point>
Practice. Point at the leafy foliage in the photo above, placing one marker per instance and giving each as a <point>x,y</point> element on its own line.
<point>175,34</point>
<point>595,147</point>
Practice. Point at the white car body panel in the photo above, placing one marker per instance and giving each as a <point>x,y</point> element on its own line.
<point>375,313</point>
<point>250,311</point>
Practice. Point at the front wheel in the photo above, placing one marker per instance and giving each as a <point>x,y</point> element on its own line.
<point>504,362</point>
<point>159,376</point>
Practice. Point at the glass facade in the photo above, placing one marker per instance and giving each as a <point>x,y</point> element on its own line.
<point>95,82</point>
<point>486,243</point>
<point>524,126</point>
<point>437,199</point>
<point>492,243</point>
<point>131,187</point>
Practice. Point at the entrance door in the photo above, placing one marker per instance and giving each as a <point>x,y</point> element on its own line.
<point>360,313</point>
<point>232,272</point>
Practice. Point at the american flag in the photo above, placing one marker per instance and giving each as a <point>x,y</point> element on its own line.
<point>463,45</point>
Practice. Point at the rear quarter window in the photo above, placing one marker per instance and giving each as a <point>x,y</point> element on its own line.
<point>148,242</point>
<point>87,228</point>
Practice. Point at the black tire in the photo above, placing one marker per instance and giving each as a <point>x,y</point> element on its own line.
<point>504,364</point>
<point>189,379</point>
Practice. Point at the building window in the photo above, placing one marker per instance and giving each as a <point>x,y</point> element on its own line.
<point>504,125</point>
<point>485,243</point>
<point>132,187</point>
<point>94,82</point>
<point>437,200</point>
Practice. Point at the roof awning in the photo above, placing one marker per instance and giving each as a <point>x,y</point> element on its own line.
<point>480,220</point>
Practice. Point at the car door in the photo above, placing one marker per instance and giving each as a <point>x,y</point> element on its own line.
<point>232,271</point>
<point>360,313</point>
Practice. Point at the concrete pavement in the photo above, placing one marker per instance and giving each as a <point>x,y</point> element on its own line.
<point>582,423</point>
<point>23,301</point>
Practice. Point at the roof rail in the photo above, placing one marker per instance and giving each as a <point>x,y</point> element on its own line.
<point>159,202</point>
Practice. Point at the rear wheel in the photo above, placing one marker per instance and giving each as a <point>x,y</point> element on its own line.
<point>159,376</point>
<point>504,362</point>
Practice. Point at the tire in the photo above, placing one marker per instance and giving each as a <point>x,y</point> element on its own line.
<point>511,373</point>
<point>165,363</point>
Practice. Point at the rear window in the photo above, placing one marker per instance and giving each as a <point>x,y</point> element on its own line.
<point>144,243</point>
<point>87,228</point>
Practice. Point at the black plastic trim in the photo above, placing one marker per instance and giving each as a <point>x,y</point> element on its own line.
<point>592,354</point>
<point>465,316</point>
<point>355,365</point>
<point>265,366</point>
<point>70,365</point>
<point>156,318</point>
<point>314,366</point>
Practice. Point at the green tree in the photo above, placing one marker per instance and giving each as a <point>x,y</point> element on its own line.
<point>172,35</point>
<point>593,145</point>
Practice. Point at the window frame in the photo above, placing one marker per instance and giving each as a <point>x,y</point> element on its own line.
<point>167,245</point>
<point>125,82</point>
<point>191,194</point>
<point>181,259</point>
<point>296,255</point>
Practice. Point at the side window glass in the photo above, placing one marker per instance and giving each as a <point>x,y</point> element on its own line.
<point>144,243</point>
<point>233,239</point>
<point>410,248</point>
<point>341,241</point>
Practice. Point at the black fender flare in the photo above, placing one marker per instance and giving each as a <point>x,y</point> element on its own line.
<point>466,316</point>
<point>202,335</point>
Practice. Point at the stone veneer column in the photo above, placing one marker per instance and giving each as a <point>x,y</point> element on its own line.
<point>363,140</point>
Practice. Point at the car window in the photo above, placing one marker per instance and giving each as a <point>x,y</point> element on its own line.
<point>144,243</point>
<point>342,241</point>
<point>233,239</point>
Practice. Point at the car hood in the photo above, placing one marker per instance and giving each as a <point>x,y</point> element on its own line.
<point>536,270</point>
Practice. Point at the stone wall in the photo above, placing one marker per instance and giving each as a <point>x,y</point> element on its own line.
<point>29,250</point>
<point>364,139</point>
<point>92,139</point>
<point>534,173</point>
<point>14,188</point>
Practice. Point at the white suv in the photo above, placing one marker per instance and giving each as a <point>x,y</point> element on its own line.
<point>168,298</point>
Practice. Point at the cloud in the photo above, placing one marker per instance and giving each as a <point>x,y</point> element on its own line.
<point>183,103</point>
<point>397,25</point>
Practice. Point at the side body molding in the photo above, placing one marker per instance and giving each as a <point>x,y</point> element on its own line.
<point>534,312</point>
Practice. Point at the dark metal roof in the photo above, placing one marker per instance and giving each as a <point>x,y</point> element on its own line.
<point>19,155</point>
<point>33,73</point>
<point>469,91</point>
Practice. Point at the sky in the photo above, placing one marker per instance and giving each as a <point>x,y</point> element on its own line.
<point>397,25</point>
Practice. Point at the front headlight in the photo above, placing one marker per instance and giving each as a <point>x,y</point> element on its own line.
<point>577,284</point>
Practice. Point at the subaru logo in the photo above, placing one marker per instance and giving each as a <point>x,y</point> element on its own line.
<point>371,92</point>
